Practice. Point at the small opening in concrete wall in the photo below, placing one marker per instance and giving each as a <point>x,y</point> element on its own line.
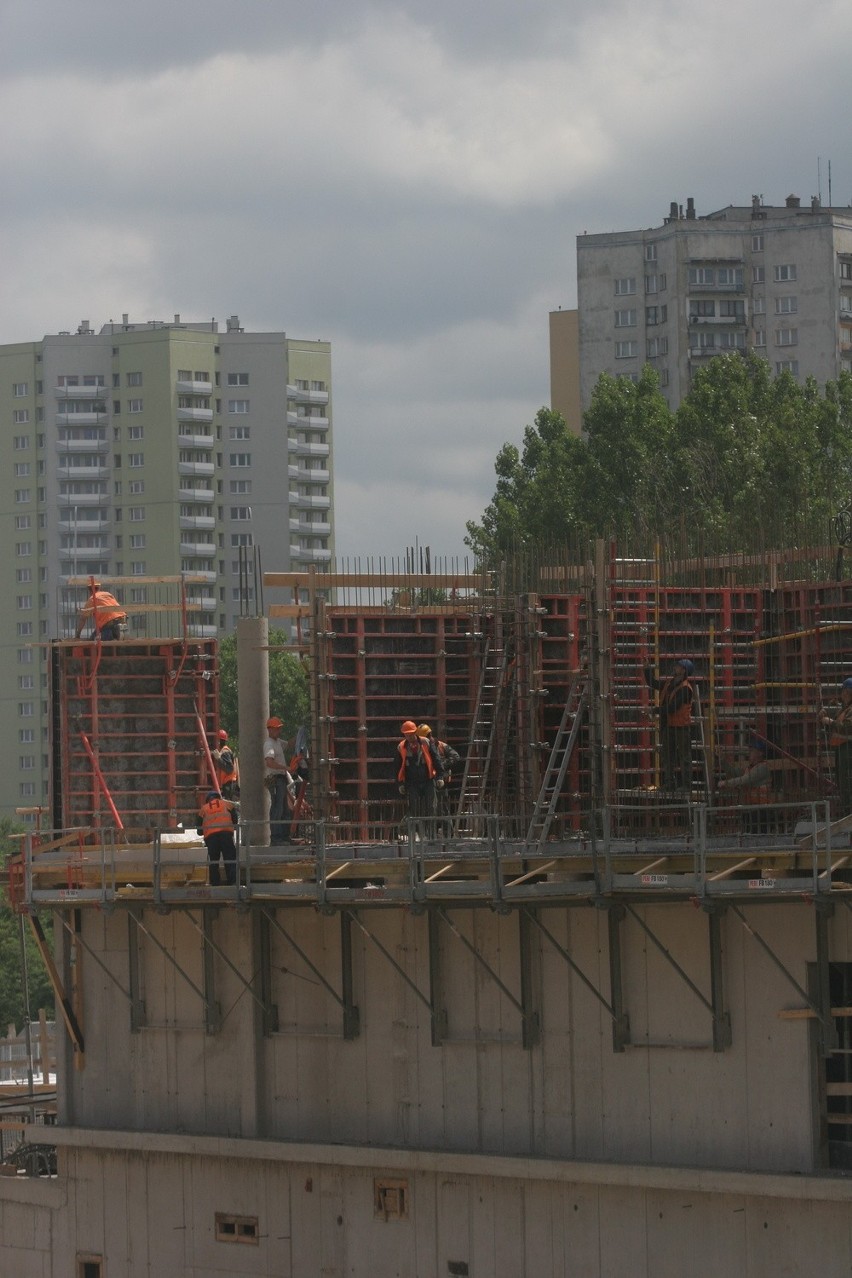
<point>90,1266</point>
<point>236,1229</point>
<point>390,1199</point>
<point>459,1267</point>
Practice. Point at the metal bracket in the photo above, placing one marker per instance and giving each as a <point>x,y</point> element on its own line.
<point>350,1017</point>
<point>620,1019</point>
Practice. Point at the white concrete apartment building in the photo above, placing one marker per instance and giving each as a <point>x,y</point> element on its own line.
<point>774,280</point>
<point>149,449</point>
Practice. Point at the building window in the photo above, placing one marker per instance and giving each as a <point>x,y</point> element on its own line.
<point>732,341</point>
<point>24,601</point>
<point>786,305</point>
<point>758,305</point>
<point>26,709</point>
<point>657,346</point>
<point>22,470</point>
<point>623,287</point>
<point>22,522</point>
<point>702,341</point>
<point>625,319</point>
<point>89,1266</point>
<point>134,406</point>
<point>24,629</point>
<point>239,459</point>
<point>701,275</point>
<point>238,379</point>
<point>21,416</point>
<point>136,514</point>
<point>760,337</point>
<point>787,337</point>
<point>655,283</point>
<point>240,487</point>
<point>757,244</point>
<point>732,309</point>
<point>787,366</point>
<point>241,512</point>
<point>134,379</point>
<point>846,270</point>
<point>656,314</point>
<point>22,442</point>
<point>23,548</point>
<point>137,568</point>
<point>242,539</point>
<point>785,274</point>
<point>650,252</point>
<point>22,495</point>
<point>135,460</point>
<point>137,541</point>
<point>730,277</point>
<point>135,432</point>
<point>26,736</point>
<point>758,274</point>
<point>23,576</point>
<point>239,432</point>
<point>20,389</point>
<point>702,310</point>
<point>238,405</point>
<point>626,350</point>
<point>236,1229</point>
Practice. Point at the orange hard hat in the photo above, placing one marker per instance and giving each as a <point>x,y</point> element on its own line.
<point>222,734</point>
<point>274,723</point>
<point>408,726</point>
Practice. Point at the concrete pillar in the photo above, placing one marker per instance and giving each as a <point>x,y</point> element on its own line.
<point>253,699</point>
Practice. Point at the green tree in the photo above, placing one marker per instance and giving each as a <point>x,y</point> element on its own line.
<point>288,686</point>
<point>12,1002</point>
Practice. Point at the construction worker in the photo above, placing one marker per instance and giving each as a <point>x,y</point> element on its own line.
<point>109,617</point>
<point>675,714</point>
<point>279,782</point>
<point>227,767</point>
<point>840,738</point>
<point>216,821</point>
<point>449,757</point>
<point>750,785</point>
<point>419,771</point>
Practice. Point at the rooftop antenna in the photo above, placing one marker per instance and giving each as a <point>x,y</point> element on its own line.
<point>819,180</point>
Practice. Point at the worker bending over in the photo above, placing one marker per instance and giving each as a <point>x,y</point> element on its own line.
<point>109,617</point>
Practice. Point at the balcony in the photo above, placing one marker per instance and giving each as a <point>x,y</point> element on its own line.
<point>307,423</point>
<point>298,502</point>
<point>303,449</point>
<point>195,441</point>
<point>81,392</point>
<point>201,632</point>
<point>198,549</point>
<point>84,522</point>
<point>309,530</point>
<point>201,603</point>
<point>197,468</point>
<point>195,414</point>
<point>727,321</point>
<point>81,472</point>
<point>64,446</point>
<point>310,556</point>
<point>308,476</point>
<point>206,522</point>
<point>198,576</point>
<point>306,396</point>
<point>205,495</point>
<point>82,419</point>
<point>82,499</point>
<point>194,388</point>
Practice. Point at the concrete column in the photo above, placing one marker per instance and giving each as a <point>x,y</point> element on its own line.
<point>253,699</point>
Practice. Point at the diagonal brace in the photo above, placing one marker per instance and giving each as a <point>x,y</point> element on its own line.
<point>217,949</point>
<point>560,949</point>
<point>764,945</point>
<point>476,954</point>
<point>91,953</point>
<point>390,958</point>
<point>671,959</point>
<point>303,956</point>
<point>190,982</point>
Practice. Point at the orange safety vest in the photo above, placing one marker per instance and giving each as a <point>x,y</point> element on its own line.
<point>837,738</point>
<point>425,754</point>
<point>216,818</point>
<point>227,774</point>
<point>682,716</point>
<point>106,608</point>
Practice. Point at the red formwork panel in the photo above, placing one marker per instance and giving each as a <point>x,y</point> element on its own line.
<point>129,722</point>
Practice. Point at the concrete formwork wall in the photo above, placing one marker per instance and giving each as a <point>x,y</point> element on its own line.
<point>152,1213</point>
<point>667,1098</point>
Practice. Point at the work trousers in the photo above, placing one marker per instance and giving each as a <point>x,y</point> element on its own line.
<point>279,811</point>
<point>222,845</point>
<point>676,761</point>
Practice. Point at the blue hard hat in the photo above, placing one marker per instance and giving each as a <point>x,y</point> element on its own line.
<point>846,684</point>
<point>687,665</point>
<point>212,794</point>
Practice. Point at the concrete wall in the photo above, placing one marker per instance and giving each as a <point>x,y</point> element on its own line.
<point>148,1205</point>
<point>668,1098</point>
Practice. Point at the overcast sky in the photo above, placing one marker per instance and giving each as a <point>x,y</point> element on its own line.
<point>406,180</point>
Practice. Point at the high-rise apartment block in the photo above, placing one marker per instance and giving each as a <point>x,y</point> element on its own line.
<point>774,280</point>
<point>149,449</point>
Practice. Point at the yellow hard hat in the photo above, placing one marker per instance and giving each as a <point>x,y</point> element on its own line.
<point>424,730</point>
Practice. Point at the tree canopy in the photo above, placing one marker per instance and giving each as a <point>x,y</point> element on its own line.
<point>288,685</point>
<point>12,1002</point>
<point>745,453</point>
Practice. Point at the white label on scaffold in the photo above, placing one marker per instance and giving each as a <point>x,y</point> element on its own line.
<point>654,880</point>
<point>761,883</point>
<point>69,894</point>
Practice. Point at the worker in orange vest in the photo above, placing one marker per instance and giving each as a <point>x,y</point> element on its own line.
<point>675,715</point>
<point>227,767</point>
<point>216,821</point>
<point>107,613</point>
<point>419,771</point>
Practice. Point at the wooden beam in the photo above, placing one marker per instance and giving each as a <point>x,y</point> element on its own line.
<point>389,580</point>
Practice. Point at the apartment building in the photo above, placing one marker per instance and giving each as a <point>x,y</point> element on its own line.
<point>149,449</point>
<point>774,280</point>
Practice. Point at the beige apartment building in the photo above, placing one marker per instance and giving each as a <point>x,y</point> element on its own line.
<point>776,280</point>
<point>149,450</point>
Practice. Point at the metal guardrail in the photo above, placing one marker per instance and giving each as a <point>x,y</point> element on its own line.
<point>689,849</point>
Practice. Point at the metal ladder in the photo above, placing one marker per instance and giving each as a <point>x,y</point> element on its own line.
<point>493,701</point>
<point>560,756</point>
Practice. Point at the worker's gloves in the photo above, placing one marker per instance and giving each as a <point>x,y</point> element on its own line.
<point>402,789</point>
<point>439,785</point>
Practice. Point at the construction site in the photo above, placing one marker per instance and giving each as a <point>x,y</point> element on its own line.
<point>575,1021</point>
